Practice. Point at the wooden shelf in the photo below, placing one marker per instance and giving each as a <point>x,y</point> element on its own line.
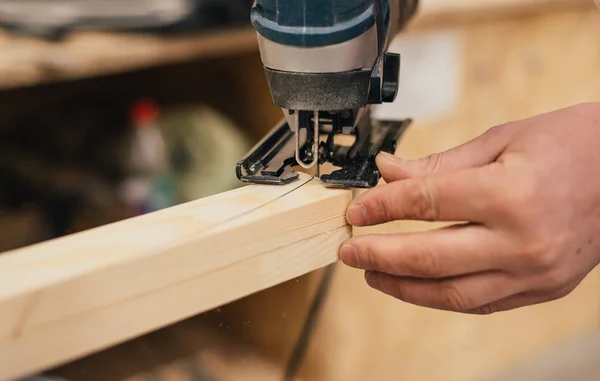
<point>27,61</point>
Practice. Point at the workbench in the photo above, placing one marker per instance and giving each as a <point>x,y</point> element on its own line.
<point>508,60</point>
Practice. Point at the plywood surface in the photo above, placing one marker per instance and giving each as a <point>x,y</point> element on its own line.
<point>573,359</point>
<point>69,297</point>
<point>507,70</point>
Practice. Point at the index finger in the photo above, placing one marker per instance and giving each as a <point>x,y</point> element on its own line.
<point>463,195</point>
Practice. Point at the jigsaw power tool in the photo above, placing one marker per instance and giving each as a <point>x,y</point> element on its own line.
<point>327,62</point>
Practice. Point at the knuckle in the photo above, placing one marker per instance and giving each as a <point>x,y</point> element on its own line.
<point>493,131</point>
<point>364,254</point>
<point>537,256</point>
<point>546,260</point>
<point>499,130</point>
<point>524,195</point>
<point>433,163</point>
<point>564,291</point>
<point>487,309</point>
<point>425,264</point>
<point>399,291</point>
<point>452,298</point>
<point>390,286</point>
<point>541,251</point>
<point>369,258</point>
<point>517,196</point>
<point>500,204</point>
<point>556,279</point>
<point>423,205</point>
<point>384,208</point>
<point>529,254</point>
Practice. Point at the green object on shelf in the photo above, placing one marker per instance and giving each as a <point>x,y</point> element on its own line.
<point>204,147</point>
<point>163,193</point>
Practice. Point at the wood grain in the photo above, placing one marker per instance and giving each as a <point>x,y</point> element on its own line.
<point>69,297</point>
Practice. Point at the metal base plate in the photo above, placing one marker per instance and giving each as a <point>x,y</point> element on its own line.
<point>272,160</point>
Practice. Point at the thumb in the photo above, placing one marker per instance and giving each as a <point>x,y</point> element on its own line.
<point>484,149</point>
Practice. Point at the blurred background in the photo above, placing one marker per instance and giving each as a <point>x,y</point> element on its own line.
<point>110,109</point>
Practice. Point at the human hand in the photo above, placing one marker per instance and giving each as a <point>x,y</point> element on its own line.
<point>528,193</point>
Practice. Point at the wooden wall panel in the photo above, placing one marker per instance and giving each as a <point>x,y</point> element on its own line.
<point>509,70</point>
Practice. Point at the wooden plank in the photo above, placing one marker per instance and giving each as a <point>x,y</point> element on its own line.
<point>79,294</point>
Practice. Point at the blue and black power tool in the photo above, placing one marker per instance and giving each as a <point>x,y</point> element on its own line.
<point>326,62</point>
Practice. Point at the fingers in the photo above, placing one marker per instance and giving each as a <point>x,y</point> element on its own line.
<point>440,253</point>
<point>480,151</point>
<point>393,168</point>
<point>524,299</point>
<point>506,304</point>
<point>476,294</point>
<point>453,196</point>
<point>462,294</point>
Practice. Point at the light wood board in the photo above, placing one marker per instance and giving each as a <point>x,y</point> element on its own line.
<point>69,297</point>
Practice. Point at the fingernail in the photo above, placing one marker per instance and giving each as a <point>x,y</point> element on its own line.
<point>349,255</point>
<point>357,215</point>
